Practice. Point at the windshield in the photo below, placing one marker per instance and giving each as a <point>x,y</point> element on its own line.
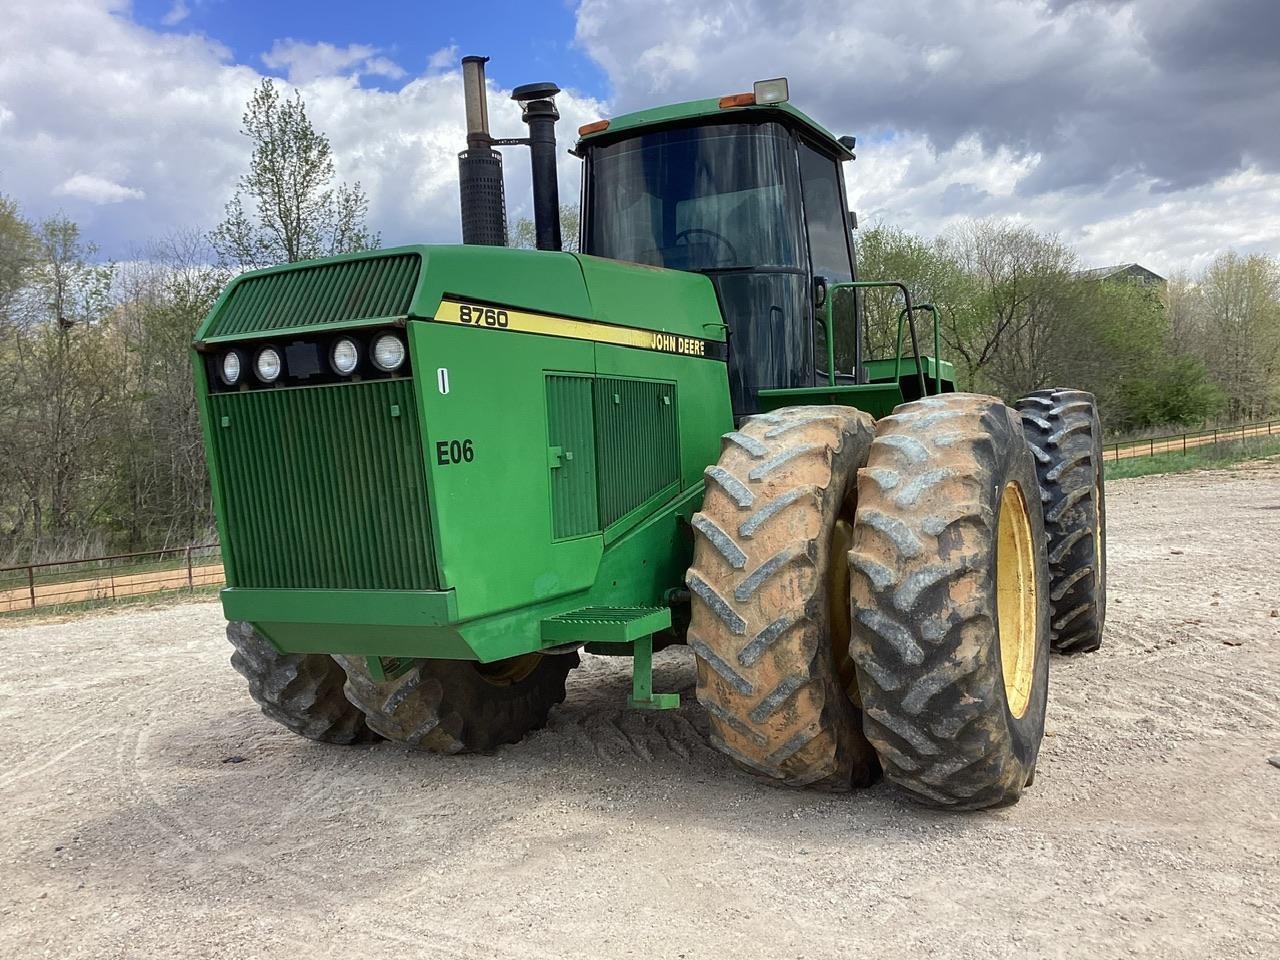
<point>703,198</point>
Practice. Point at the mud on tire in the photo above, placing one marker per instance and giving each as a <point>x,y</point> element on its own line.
<point>301,691</point>
<point>459,706</point>
<point>1065,435</point>
<point>926,609</point>
<point>761,618</point>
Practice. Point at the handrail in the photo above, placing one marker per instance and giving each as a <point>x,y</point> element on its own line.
<point>829,323</point>
<point>937,345</point>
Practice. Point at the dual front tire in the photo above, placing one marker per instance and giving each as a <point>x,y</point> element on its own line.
<point>447,706</point>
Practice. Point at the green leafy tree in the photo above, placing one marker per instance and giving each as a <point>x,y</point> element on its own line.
<point>287,207</point>
<point>524,235</point>
<point>890,253</point>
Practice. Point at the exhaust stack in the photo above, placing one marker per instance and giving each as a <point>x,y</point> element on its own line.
<point>540,113</point>
<point>484,204</point>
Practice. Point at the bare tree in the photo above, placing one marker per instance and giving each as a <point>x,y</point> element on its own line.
<point>1017,278</point>
<point>1241,304</point>
<point>287,208</point>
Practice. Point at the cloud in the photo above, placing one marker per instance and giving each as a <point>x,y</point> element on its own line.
<point>305,62</point>
<point>1141,104</point>
<point>443,59</point>
<point>97,190</point>
<point>1137,129</point>
<point>177,13</point>
<point>160,113</point>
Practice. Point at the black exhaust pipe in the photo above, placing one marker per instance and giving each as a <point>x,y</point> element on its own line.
<point>484,204</point>
<point>540,113</point>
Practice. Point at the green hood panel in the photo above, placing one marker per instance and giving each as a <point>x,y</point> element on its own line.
<point>379,286</point>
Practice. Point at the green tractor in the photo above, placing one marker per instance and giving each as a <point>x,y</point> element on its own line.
<point>441,472</point>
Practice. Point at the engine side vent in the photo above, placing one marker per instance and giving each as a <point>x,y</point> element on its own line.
<point>572,457</point>
<point>637,443</point>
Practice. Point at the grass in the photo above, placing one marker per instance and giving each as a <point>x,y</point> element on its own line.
<point>1207,457</point>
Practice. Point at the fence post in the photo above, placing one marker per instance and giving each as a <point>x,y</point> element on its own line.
<point>1152,451</point>
<point>190,585</point>
<point>1184,443</point>
<point>31,584</point>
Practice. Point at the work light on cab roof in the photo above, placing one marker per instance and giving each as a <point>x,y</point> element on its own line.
<point>441,472</point>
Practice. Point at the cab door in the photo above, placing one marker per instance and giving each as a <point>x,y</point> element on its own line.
<point>830,256</point>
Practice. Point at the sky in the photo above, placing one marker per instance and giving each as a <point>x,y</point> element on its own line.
<point>1137,130</point>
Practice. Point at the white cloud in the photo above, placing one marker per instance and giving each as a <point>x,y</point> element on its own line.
<point>305,62</point>
<point>443,59</point>
<point>97,190</point>
<point>1122,125</point>
<point>952,111</point>
<point>87,91</point>
<point>177,13</point>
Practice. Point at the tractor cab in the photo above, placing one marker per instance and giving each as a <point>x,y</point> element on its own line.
<point>749,192</point>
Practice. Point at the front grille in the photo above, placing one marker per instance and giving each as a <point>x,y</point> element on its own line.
<point>324,487</point>
<point>339,292</point>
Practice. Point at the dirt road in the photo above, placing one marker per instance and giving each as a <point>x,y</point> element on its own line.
<point>1153,828</point>
<point>1141,448</point>
<point>111,587</point>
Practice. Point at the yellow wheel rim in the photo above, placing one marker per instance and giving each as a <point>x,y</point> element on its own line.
<point>1016,607</point>
<point>503,673</point>
<point>838,607</point>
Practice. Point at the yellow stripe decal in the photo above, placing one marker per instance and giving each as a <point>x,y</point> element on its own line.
<point>503,318</point>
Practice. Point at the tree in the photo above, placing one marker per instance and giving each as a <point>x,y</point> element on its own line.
<point>1241,328</point>
<point>57,445</point>
<point>160,483</point>
<point>890,253</point>
<point>1016,279</point>
<point>524,236</point>
<point>17,248</point>
<point>286,207</point>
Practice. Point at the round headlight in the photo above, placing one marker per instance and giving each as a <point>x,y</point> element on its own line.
<point>345,357</point>
<point>231,368</point>
<point>268,364</point>
<point>388,352</point>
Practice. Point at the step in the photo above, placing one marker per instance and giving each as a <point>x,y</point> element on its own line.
<point>605,624</point>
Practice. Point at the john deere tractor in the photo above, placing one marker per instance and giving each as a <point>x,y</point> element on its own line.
<point>442,472</point>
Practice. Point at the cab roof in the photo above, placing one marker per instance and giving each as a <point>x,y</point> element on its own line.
<point>682,114</point>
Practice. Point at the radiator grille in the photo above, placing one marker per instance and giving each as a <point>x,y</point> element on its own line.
<point>325,293</point>
<point>324,487</point>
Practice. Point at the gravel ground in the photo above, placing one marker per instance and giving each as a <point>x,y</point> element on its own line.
<point>133,828</point>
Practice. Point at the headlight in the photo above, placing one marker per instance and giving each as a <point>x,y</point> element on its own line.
<point>230,368</point>
<point>268,364</point>
<point>388,352</point>
<point>345,357</point>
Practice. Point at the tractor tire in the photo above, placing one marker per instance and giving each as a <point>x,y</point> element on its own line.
<point>460,706</point>
<point>300,691</point>
<point>949,589</point>
<point>1065,435</point>
<point>769,589</point>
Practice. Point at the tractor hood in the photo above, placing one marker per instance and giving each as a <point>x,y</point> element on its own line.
<point>405,283</point>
